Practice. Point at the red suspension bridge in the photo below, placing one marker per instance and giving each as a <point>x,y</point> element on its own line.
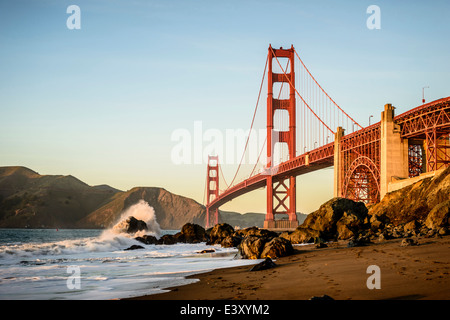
<point>306,131</point>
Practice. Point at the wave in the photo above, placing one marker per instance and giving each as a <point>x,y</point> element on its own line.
<point>109,240</point>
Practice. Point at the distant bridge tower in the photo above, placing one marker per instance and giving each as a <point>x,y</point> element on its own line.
<point>281,192</point>
<point>212,185</point>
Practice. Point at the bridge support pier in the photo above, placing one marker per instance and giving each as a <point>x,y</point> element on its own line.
<point>338,164</point>
<point>393,151</point>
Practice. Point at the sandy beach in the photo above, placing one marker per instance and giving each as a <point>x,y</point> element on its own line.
<point>405,273</point>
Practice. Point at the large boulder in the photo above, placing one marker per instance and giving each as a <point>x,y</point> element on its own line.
<point>251,247</point>
<point>337,218</point>
<point>191,233</point>
<point>231,241</point>
<point>276,248</point>
<point>147,239</point>
<point>219,232</point>
<point>130,225</point>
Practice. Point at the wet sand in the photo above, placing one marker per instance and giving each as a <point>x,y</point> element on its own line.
<point>412,272</point>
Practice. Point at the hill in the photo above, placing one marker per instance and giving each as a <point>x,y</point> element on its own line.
<point>28,199</point>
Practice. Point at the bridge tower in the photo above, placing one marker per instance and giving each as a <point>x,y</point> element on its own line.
<point>281,193</point>
<point>212,185</point>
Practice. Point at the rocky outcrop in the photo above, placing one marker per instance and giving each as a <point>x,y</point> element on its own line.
<point>130,225</point>
<point>277,247</point>
<point>439,216</point>
<point>415,202</point>
<point>219,232</point>
<point>191,233</point>
<point>337,218</point>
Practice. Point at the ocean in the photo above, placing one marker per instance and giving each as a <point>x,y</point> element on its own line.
<point>81,264</point>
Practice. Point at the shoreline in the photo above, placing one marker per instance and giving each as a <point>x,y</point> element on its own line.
<point>405,273</point>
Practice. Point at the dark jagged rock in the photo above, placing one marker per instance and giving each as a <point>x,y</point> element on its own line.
<point>147,239</point>
<point>266,264</point>
<point>135,247</point>
<point>167,239</point>
<point>130,225</point>
<point>192,233</point>
<point>231,241</point>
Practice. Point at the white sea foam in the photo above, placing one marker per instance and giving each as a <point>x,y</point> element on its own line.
<point>39,270</point>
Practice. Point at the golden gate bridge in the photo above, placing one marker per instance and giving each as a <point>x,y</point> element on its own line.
<point>306,130</point>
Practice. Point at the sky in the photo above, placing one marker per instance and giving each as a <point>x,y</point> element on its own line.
<point>101,102</point>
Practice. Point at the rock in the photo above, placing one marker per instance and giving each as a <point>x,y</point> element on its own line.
<point>302,235</point>
<point>251,247</point>
<point>130,225</point>
<point>254,231</point>
<point>219,232</point>
<point>324,297</point>
<point>439,216</point>
<point>207,251</point>
<point>231,241</point>
<point>266,264</point>
<point>411,226</point>
<point>320,243</point>
<point>167,239</point>
<point>147,239</point>
<point>350,224</point>
<point>415,202</point>
<point>347,214</point>
<point>443,231</point>
<point>135,247</point>
<point>192,233</point>
<point>276,248</point>
<point>358,242</point>
<point>409,242</point>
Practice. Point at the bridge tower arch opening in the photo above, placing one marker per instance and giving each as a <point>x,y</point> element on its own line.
<point>362,181</point>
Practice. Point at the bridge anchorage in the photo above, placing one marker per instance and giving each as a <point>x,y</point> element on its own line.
<point>368,162</point>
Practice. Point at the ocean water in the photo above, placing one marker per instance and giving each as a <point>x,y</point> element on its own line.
<point>93,264</point>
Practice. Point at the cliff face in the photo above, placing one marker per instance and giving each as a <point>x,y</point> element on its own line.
<point>416,201</point>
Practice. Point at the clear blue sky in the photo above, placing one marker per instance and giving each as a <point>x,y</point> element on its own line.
<point>100,103</point>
